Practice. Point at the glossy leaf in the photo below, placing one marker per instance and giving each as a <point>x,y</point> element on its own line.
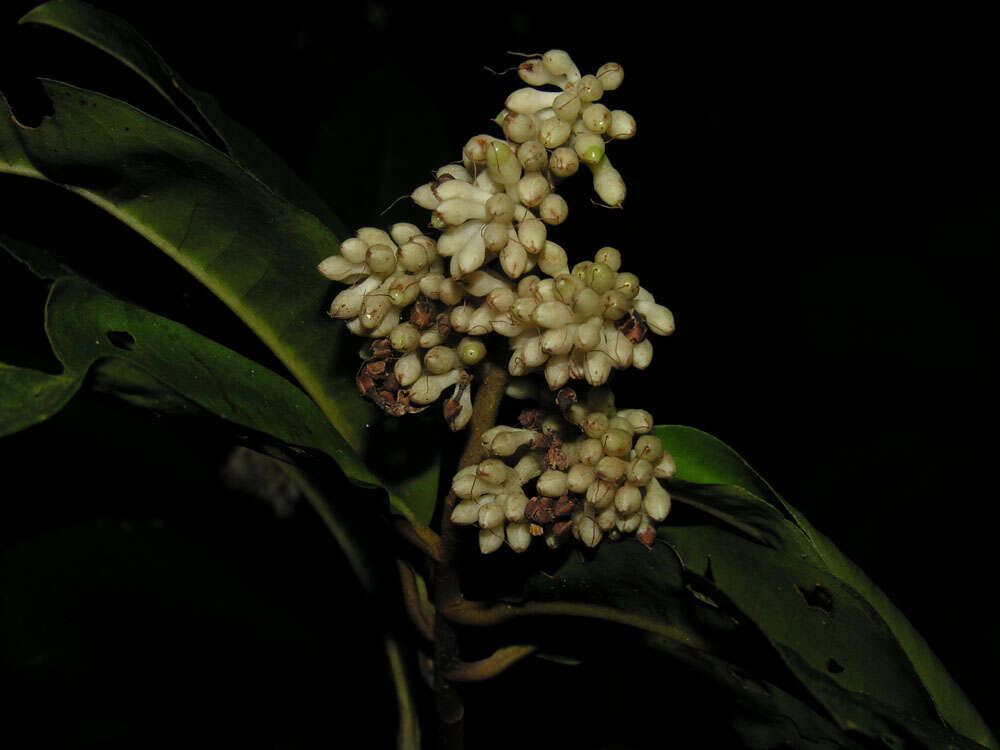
<point>747,566</point>
<point>254,250</point>
<point>705,459</point>
<point>115,36</point>
<point>158,363</point>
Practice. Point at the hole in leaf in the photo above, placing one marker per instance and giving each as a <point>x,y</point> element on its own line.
<point>818,598</point>
<point>122,340</point>
<point>833,666</point>
<point>28,102</point>
<point>709,573</point>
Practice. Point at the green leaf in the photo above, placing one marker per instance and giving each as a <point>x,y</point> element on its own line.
<point>115,36</point>
<point>254,250</point>
<point>705,459</point>
<point>158,363</point>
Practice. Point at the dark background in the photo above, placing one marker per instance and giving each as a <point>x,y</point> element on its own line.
<point>813,190</point>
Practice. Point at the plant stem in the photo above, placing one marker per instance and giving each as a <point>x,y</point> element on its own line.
<point>446,584</point>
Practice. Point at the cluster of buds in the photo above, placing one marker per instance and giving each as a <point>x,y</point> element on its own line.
<point>595,473</point>
<point>426,302</point>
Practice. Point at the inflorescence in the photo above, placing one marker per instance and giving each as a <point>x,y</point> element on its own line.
<point>427,303</point>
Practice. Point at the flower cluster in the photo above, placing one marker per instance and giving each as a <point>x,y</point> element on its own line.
<point>594,472</point>
<point>426,302</point>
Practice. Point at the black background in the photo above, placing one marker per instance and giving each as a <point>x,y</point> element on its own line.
<point>813,190</point>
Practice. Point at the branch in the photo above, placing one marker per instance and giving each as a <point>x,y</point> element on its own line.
<point>446,585</point>
<point>499,661</point>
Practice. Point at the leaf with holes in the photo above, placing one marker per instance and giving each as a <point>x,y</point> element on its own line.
<point>115,36</point>
<point>254,250</point>
<point>157,363</point>
<point>705,459</point>
<point>729,565</point>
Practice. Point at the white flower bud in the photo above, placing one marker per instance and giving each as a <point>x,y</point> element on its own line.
<point>531,234</point>
<point>554,133</point>
<point>339,268</point>
<point>404,290</point>
<point>375,236</point>
<point>596,117</point>
<point>607,518</point>
<point>639,472</point>
<point>519,127</point>
<point>491,515</point>
<point>533,354</point>
<point>611,76</point>
<point>529,100</point>
<point>496,235</point>
<point>564,162</point>
<point>502,163</point>
<point>404,338</point>
<point>465,513</point>
<point>589,532</point>
<point>428,388</point>
<point>552,315</point>
<point>500,208</point>
<point>475,148</point>
<point>622,125</point>
<point>456,171</point>
<point>552,483</point>
<point>558,340</point>
<point>455,238</point>
<point>580,477</point>
<point>640,419</point>
<point>588,336</point>
<point>528,467</point>
<point>518,536</point>
<point>557,371</point>
<point>567,106</point>
<point>616,443</point>
<point>514,505</point>
<point>666,467</point>
<point>389,322</point>
<point>597,367</point>
<point>559,63</point>
<point>500,298</point>
<point>452,292</point>
<point>490,540</point>
<point>471,351</point>
<point>590,148</point>
<point>553,209</point>
<point>402,232</point>
<point>470,258</point>
<point>532,189</point>
<point>505,441</point>
<point>440,359</point>
<point>514,259</point>
<point>591,452</point>
<point>349,302</point>
<point>354,250</point>
<point>456,211</point>
<point>656,503</point>
<point>430,338</point>
<point>408,369</point>
<point>601,493</point>
<point>589,89</point>
<point>649,448</point>
<point>611,469</point>
<point>414,257</point>
<point>610,257</point>
<point>628,524</point>
<point>424,197</point>
<point>642,354</point>
<point>659,319</point>
<point>552,259</point>
<point>481,322</point>
<point>458,190</point>
<point>628,500</point>
<point>608,182</point>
